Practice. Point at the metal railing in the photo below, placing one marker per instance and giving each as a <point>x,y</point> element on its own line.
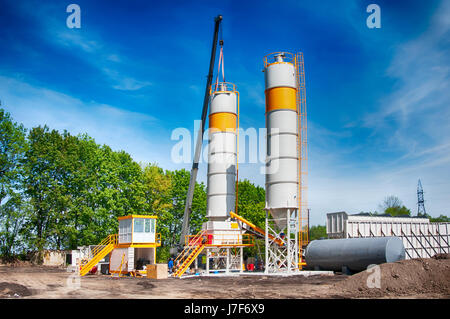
<point>223,87</point>
<point>110,240</point>
<point>271,58</point>
<point>220,239</point>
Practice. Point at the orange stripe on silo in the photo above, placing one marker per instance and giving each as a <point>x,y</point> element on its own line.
<point>222,122</point>
<point>281,98</point>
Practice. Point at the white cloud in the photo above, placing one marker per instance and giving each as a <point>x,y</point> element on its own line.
<point>411,121</point>
<point>88,45</point>
<point>124,83</point>
<point>136,133</point>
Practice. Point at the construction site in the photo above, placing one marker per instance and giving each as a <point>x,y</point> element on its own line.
<point>362,257</point>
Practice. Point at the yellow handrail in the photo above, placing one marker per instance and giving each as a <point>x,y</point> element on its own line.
<point>188,246</point>
<point>111,239</point>
<point>188,261</point>
<point>187,251</point>
<point>189,242</point>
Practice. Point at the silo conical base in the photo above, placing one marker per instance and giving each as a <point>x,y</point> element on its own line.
<point>280,216</point>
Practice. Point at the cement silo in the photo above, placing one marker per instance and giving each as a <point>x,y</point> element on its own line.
<point>282,163</point>
<point>222,158</point>
<point>282,135</point>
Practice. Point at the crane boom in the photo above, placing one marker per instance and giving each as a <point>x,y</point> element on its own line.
<point>198,145</point>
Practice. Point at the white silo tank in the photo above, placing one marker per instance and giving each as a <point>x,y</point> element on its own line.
<point>222,156</point>
<point>282,137</point>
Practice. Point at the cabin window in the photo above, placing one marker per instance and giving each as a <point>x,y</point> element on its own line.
<point>139,225</point>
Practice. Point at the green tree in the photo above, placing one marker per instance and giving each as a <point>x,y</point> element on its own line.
<point>317,232</point>
<point>157,186</point>
<point>398,211</point>
<point>115,189</point>
<point>44,183</point>
<point>251,203</point>
<point>393,206</point>
<point>180,185</point>
<point>12,203</point>
<point>440,219</point>
<point>78,189</point>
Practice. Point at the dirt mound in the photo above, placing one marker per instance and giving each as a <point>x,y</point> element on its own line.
<point>441,256</point>
<point>8,290</point>
<point>406,277</point>
<point>14,262</point>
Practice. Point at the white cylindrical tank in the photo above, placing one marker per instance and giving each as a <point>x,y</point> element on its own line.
<point>282,135</point>
<point>222,155</point>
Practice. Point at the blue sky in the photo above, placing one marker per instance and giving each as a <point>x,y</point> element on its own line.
<point>378,99</point>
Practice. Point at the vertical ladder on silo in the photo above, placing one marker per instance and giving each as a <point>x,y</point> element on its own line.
<point>303,217</point>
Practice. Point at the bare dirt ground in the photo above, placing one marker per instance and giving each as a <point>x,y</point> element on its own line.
<point>420,278</point>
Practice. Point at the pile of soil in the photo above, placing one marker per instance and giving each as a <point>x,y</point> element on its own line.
<point>8,290</point>
<point>406,277</point>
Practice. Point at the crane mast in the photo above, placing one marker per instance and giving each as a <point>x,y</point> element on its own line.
<point>198,145</point>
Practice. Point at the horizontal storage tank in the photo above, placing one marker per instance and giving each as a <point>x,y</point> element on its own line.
<point>354,253</point>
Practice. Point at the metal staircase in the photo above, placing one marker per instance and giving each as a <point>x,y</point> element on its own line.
<point>98,253</point>
<point>192,249</point>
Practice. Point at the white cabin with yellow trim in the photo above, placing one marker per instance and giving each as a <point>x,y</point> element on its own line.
<point>137,243</point>
<point>137,229</point>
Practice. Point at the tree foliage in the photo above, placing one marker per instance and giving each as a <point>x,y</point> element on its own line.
<point>251,202</point>
<point>317,232</point>
<point>398,211</point>
<point>393,206</point>
<point>440,219</point>
<point>13,212</point>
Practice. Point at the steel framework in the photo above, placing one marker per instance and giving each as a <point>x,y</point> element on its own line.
<point>224,259</point>
<point>281,246</point>
<point>420,201</point>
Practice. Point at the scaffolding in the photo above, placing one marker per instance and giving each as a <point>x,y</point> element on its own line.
<point>281,243</point>
<point>224,259</point>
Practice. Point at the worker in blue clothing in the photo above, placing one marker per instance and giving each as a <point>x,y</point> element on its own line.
<point>170,265</point>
